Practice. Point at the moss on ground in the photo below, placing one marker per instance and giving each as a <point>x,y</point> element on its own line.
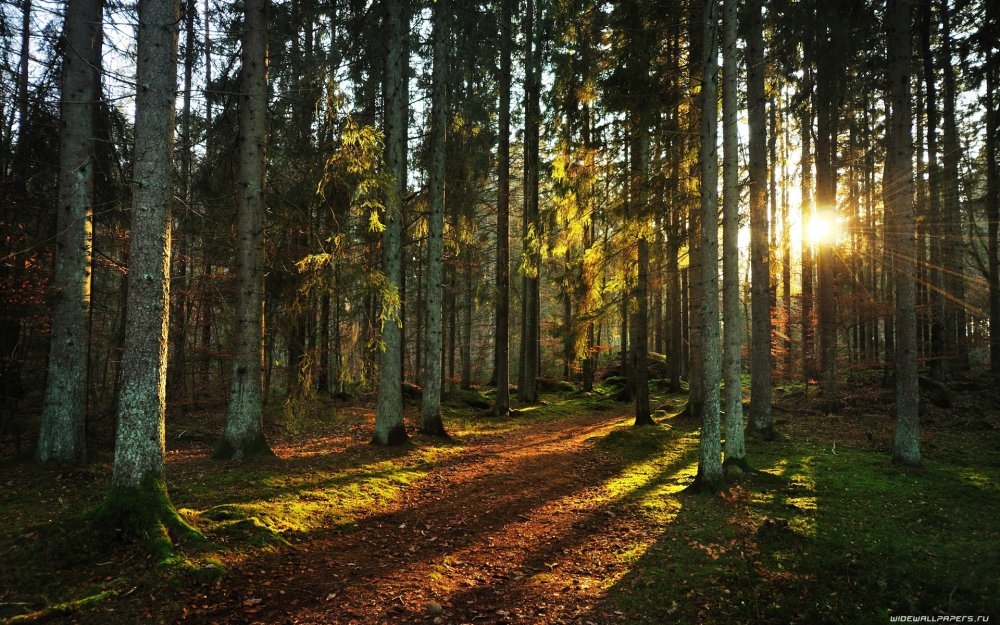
<point>838,535</point>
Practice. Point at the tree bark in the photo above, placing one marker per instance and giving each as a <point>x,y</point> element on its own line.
<point>528,392</point>
<point>953,244</point>
<point>389,428</point>
<point>760,358</point>
<point>993,183</point>
<point>640,327</point>
<point>736,452</point>
<point>244,432</point>
<point>935,268</point>
<point>898,191</point>
<point>138,504</point>
<point>502,405</point>
<point>430,410</point>
<point>62,435</point>
<point>709,475</point>
<point>808,213</point>
<point>828,78</point>
<point>696,390</point>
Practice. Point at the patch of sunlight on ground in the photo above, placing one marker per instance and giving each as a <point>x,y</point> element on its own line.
<point>305,503</point>
<point>977,479</point>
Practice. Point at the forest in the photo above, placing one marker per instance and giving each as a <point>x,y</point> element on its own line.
<point>499,311</point>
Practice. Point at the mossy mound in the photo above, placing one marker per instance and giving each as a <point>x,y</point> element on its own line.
<point>471,398</point>
<point>657,367</point>
<point>555,385</point>
<point>144,514</point>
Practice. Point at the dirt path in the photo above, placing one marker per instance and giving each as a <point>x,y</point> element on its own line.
<point>513,532</point>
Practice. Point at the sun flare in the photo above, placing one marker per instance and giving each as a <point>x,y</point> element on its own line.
<point>822,229</point>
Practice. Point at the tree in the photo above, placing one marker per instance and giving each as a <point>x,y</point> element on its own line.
<point>709,475</point>
<point>430,412</point>
<point>760,357</point>
<point>695,356</point>
<point>62,436</point>
<point>640,324</point>
<point>138,504</point>
<point>898,191</point>
<point>989,32</point>
<point>828,84</point>
<point>935,273</point>
<point>389,428</point>
<point>527,382</point>
<point>244,432</point>
<point>952,242</point>
<point>502,346</point>
<point>733,341</point>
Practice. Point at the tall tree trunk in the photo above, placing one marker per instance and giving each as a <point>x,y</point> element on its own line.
<point>468,305</point>
<point>736,452</point>
<point>528,392</point>
<point>138,504</point>
<point>709,475</point>
<point>696,390</point>
<point>993,183</point>
<point>805,127</point>
<point>502,338</point>
<point>640,326</point>
<point>953,246</point>
<point>23,77</point>
<point>389,428</point>
<point>827,83</point>
<point>898,190</point>
<point>62,435</point>
<point>760,357</point>
<point>936,268</point>
<point>675,292</point>
<point>786,250</point>
<point>178,310</point>
<point>244,432</point>
<point>205,305</point>
<point>430,411</point>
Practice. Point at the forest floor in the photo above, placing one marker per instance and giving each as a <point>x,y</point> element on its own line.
<point>561,514</point>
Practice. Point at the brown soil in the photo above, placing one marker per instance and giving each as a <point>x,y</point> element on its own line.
<point>511,532</point>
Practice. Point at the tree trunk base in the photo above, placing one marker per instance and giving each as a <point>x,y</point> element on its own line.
<point>643,421</point>
<point>904,462</point>
<point>226,451</point>
<point>145,513</point>
<point>395,436</point>
<point>701,485</point>
<point>764,433</point>
<point>730,465</point>
<point>689,411</point>
<point>434,427</point>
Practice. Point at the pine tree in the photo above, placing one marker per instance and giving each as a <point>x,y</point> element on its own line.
<point>898,192</point>
<point>709,475</point>
<point>430,413</point>
<point>733,325</point>
<point>62,436</point>
<point>138,504</point>
<point>389,428</point>
<point>760,359</point>
<point>502,338</point>
<point>244,432</point>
